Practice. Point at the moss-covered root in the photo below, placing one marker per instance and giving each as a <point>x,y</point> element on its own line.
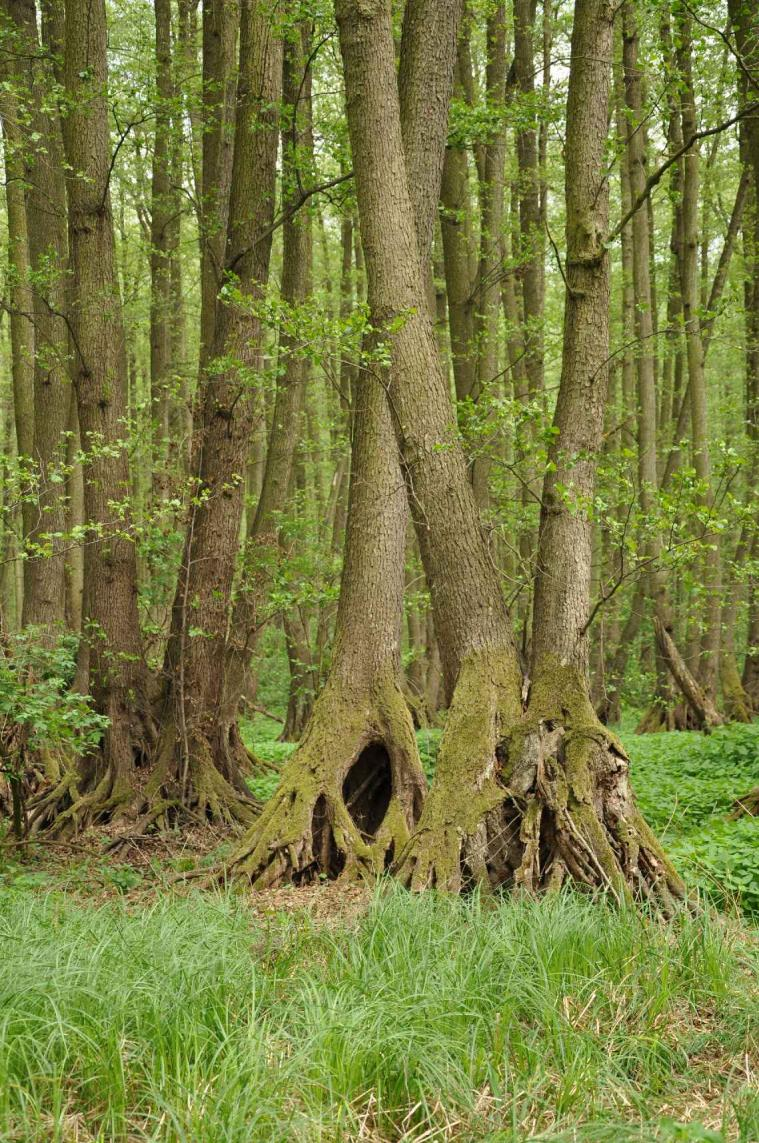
<point>97,788</point>
<point>348,797</point>
<point>570,811</point>
<point>457,841</point>
<point>198,774</point>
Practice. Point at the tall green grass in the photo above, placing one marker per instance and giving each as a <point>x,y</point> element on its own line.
<point>429,1019</point>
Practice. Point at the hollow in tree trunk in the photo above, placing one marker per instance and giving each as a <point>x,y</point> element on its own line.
<point>526,799</point>
<point>353,791</point>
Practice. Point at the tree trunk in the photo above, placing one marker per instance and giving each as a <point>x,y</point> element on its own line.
<point>745,20</point>
<point>709,650</point>
<point>163,210</point>
<point>580,818</point>
<point>478,654</point>
<point>520,800</point>
<point>200,760</point>
<point>351,794</point>
<point>104,784</point>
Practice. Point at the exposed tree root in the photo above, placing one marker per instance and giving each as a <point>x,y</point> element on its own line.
<point>199,773</point>
<point>552,803</point>
<point>348,798</point>
<point>195,776</point>
<point>99,787</point>
<point>454,838</point>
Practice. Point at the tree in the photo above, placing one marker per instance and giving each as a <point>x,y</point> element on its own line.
<point>200,758</point>
<point>105,780</point>
<point>352,793</point>
<point>537,797</point>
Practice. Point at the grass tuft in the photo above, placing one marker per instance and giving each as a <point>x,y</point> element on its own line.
<point>428,1019</point>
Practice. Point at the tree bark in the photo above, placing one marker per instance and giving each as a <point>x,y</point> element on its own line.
<point>200,760</point>
<point>695,351</point>
<point>104,784</point>
<point>505,785</point>
<point>352,792</point>
<point>477,649</point>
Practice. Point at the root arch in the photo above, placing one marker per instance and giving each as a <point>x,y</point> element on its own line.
<point>348,799</point>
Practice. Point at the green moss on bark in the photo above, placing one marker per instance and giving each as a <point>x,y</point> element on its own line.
<point>308,830</point>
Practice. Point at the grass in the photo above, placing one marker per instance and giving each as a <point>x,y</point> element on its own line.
<point>170,1017</point>
<point>192,1020</point>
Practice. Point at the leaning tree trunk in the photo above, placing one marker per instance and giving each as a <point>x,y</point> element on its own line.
<point>525,800</point>
<point>105,783</point>
<point>478,654</point>
<point>352,792</point>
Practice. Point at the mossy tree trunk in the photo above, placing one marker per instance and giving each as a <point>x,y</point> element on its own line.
<point>521,798</point>
<point>479,659</point>
<point>353,791</point>
<point>200,760</point>
<point>569,811</point>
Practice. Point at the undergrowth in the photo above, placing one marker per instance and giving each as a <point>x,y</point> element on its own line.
<point>188,1020</point>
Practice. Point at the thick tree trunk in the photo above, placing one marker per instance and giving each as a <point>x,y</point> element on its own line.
<point>526,800</point>
<point>105,783</point>
<point>200,759</point>
<point>352,793</point>
<point>478,654</point>
<point>579,817</point>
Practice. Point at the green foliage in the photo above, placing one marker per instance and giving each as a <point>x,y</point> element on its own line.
<point>686,785</point>
<point>38,710</point>
<point>431,1019</point>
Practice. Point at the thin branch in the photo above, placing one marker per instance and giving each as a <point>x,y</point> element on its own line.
<point>653,180</point>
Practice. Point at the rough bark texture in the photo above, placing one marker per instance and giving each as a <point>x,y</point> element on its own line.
<point>200,760</point>
<point>352,793</point>
<point>579,818</point>
<point>477,650</point>
<point>526,800</point>
<point>105,782</point>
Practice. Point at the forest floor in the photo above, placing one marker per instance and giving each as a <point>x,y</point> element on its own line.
<point>135,1006</point>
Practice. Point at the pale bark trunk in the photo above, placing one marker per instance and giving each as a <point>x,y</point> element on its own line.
<point>709,651</point>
